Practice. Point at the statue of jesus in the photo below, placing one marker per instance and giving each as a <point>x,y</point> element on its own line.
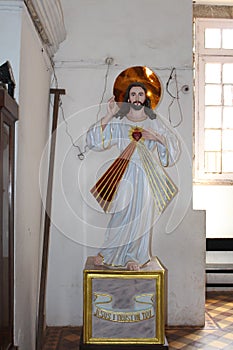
<point>135,188</point>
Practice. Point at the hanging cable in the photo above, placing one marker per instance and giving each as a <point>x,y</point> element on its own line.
<point>108,61</point>
<point>175,98</point>
<point>81,154</point>
<point>168,82</point>
<point>54,77</point>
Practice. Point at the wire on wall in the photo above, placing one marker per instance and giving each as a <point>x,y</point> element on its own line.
<point>108,61</point>
<point>175,98</point>
<point>81,153</point>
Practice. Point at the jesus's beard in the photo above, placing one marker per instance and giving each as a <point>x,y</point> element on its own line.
<point>137,107</point>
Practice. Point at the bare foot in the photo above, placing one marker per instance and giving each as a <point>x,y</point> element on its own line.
<point>98,260</point>
<point>132,266</point>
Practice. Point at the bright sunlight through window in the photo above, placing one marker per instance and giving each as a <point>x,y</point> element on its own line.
<point>214,100</point>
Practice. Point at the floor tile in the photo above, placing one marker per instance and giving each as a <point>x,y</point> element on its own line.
<point>217,334</point>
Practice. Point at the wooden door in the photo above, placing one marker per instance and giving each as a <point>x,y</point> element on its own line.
<point>8,116</point>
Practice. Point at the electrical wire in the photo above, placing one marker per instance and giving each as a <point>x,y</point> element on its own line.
<point>109,62</point>
<point>173,76</point>
<point>81,154</point>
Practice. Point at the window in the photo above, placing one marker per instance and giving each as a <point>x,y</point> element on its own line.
<point>214,100</point>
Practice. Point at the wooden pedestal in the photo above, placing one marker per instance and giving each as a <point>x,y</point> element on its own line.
<point>124,309</point>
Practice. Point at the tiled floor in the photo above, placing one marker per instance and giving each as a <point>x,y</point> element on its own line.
<point>216,335</point>
<point>218,331</point>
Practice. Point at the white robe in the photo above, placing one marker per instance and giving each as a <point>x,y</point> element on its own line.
<point>127,237</point>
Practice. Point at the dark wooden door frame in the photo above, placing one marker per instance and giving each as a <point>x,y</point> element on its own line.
<point>9,116</point>
<point>47,223</point>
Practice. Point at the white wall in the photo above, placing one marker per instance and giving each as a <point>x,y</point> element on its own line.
<point>217,201</point>
<point>33,129</point>
<point>21,46</point>
<point>158,35</point>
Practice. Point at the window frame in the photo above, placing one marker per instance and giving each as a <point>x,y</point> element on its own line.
<point>204,55</point>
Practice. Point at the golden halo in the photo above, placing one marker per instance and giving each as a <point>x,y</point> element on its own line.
<point>142,75</point>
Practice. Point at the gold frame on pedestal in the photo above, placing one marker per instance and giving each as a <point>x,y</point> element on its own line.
<point>159,283</point>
